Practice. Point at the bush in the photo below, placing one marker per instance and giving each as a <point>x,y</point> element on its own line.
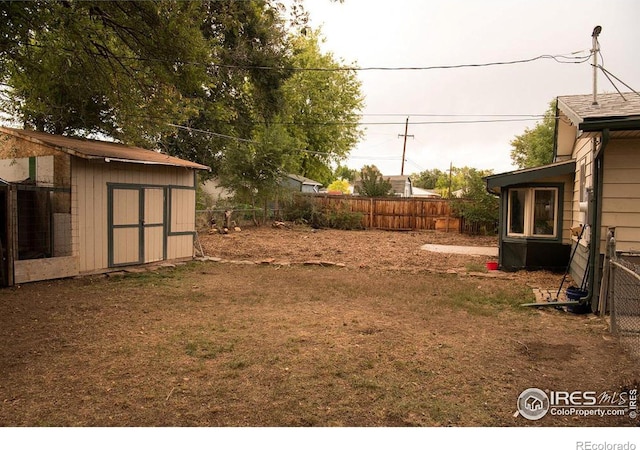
<point>301,209</point>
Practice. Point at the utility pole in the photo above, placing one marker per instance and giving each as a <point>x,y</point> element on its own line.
<point>404,147</point>
<point>450,172</point>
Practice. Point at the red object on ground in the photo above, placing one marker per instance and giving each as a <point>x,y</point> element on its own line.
<point>492,265</point>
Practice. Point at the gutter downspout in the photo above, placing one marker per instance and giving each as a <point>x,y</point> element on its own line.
<point>596,214</point>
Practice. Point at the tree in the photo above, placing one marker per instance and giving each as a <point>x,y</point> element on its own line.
<point>254,170</point>
<point>116,68</point>
<point>426,179</point>
<point>339,186</point>
<point>344,173</point>
<point>535,146</point>
<point>476,205</point>
<point>130,69</point>
<point>372,184</point>
<point>210,81</point>
<point>321,106</point>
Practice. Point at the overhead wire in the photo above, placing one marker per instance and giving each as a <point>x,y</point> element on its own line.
<point>556,58</point>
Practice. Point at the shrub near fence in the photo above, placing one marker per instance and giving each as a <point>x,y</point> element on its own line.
<point>392,213</point>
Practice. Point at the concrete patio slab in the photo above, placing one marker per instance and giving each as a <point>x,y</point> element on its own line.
<point>461,250</point>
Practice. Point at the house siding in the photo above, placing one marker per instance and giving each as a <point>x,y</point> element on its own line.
<point>583,154</point>
<point>621,194</point>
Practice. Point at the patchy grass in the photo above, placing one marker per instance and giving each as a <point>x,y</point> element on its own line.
<point>227,345</point>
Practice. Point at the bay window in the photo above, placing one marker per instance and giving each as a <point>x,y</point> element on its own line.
<point>532,212</point>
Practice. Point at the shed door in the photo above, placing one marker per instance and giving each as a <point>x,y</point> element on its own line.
<point>137,225</point>
<point>153,224</point>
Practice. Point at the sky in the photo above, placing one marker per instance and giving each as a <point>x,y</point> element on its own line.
<point>424,33</point>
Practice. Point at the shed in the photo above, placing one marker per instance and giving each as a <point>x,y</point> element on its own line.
<point>71,206</point>
<point>299,183</point>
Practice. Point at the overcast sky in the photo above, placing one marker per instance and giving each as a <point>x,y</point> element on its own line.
<point>424,33</point>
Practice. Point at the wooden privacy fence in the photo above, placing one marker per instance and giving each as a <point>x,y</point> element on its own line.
<point>395,213</point>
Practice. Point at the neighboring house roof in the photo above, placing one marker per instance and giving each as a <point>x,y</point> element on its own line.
<point>107,151</point>
<point>304,180</point>
<point>419,192</point>
<point>458,193</point>
<point>613,111</point>
<point>495,182</point>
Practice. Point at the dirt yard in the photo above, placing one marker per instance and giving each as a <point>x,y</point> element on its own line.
<point>395,337</point>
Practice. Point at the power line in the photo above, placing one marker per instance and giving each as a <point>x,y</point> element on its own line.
<point>562,59</point>
<point>211,133</point>
<point>452,115</point>
<point>556,58</point>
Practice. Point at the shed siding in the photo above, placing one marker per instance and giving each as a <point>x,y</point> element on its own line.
<point>89,204</point>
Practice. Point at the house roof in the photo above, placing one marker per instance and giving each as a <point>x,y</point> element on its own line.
<point>107,151</point>
<point>304,180</point>
<point>613,111</point>
<point>495,182</point>
<point>419,192</point>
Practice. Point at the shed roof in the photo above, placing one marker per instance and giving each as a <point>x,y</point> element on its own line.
<point>107,151</point>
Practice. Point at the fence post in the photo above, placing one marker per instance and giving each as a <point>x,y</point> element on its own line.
<point>612,300</point>
<point>604,287</point>
<point>371,213</point>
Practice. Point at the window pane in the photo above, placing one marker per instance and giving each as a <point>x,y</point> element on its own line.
<point>516,211</point>
<point>544,212</point>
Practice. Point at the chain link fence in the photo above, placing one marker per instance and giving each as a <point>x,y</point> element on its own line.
<point>624,300</point>
<point>234,217</point>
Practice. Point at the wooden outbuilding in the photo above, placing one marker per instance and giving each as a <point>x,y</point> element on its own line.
<point>71,206</point>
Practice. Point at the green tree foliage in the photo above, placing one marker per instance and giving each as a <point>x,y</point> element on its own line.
<point>238,95</point>
<point>183,76</point>
<point>254,171</point>
<point>534,147</point>
<point>344,173</point>
<point>322,107</point>
<point>118,68</point>
<point>426,179</point>
<point>372,183</point>
<point>476,205</point>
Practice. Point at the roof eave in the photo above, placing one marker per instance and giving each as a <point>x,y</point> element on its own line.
<point>495,182</point>
<point>570,113</point>
<point>611,123</point>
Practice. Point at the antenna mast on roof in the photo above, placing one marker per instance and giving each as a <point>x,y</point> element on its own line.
<point>594,50</point>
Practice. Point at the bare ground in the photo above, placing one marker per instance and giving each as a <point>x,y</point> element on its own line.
<point>387,340</point>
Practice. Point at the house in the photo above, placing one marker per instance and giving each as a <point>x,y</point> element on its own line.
<point>557,216</point>
<point>299,183</point>
<point>215,191</point>
<point>72,206</point>
<point>400,185</point>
